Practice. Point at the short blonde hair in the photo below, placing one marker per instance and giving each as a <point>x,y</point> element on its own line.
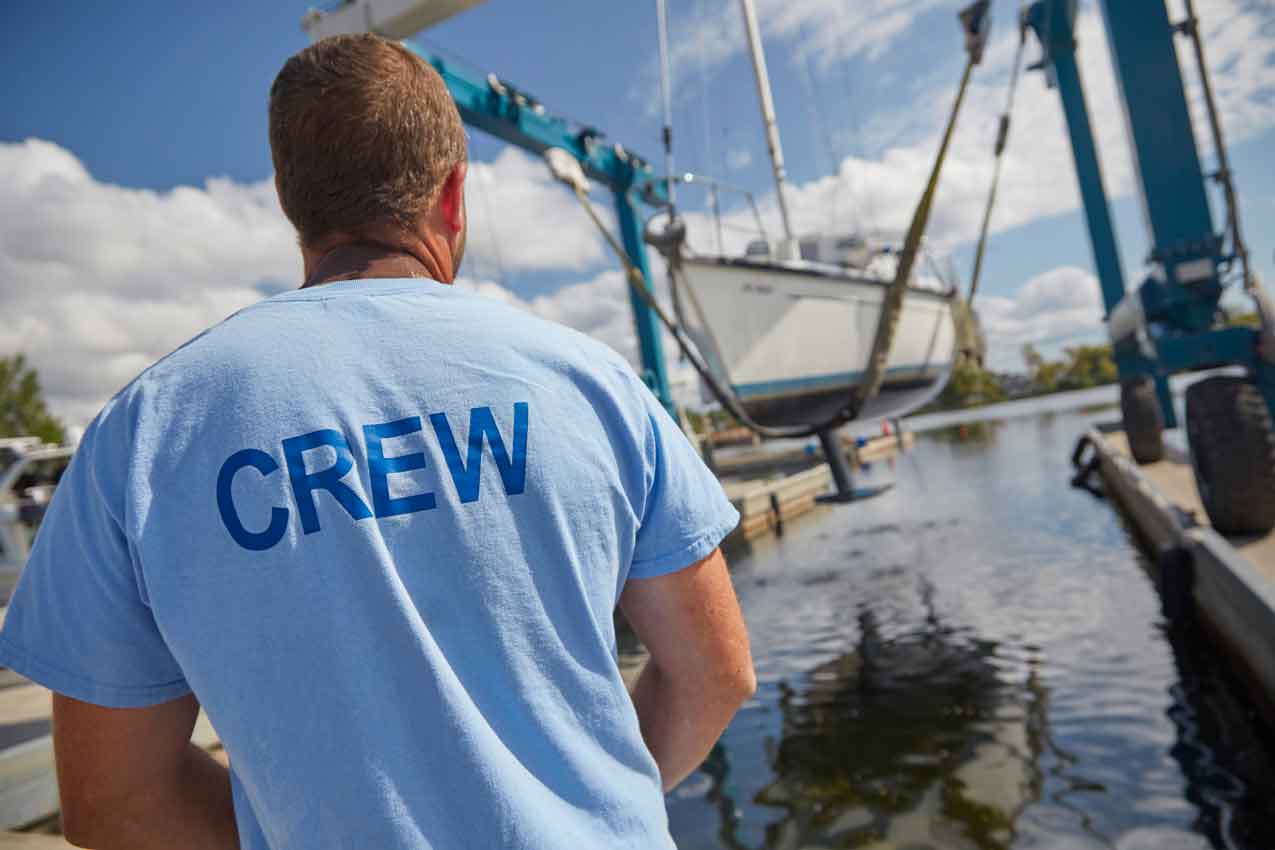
<point>362,132</point>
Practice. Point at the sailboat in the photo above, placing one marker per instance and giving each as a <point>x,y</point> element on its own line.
<point>793,325</point>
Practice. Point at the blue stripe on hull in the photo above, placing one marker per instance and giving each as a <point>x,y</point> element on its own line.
<point>822,382</point>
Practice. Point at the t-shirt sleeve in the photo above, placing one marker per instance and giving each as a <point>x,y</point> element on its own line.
<point>78,622</point>
<point>686,513</point>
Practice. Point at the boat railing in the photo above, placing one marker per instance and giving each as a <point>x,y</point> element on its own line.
<point>727,221</point>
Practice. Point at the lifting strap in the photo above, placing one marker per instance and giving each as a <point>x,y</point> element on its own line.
<point>892,304</point>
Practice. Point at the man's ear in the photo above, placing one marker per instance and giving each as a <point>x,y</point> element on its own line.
<point>451,202</point>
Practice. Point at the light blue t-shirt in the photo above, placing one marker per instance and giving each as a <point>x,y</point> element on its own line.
<point>379,528</point>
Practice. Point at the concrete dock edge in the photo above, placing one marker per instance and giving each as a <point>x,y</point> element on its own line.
<point>1232,600</point>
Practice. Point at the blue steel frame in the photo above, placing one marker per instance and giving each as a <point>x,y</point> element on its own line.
<point>1180,311</point>
<point>514,117</point>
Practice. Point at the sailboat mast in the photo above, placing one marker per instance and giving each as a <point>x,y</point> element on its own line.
<point>768,118</point>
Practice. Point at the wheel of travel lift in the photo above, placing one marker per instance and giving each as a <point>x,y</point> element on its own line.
<point>1232,441</point>
<point>1143,421</point>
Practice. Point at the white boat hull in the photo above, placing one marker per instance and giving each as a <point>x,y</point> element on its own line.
<point>793,342</point>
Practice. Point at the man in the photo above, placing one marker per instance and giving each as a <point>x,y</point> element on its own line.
<point>377,527</point>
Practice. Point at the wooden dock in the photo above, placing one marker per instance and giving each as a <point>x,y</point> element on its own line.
<point>760,459</point>
<point>765,505</point>
<point>1226,583</point>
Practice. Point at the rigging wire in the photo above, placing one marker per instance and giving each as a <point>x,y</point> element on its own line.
<point>855,146</point>
<point>714,198</point>
<point>704,108</point>
<point>818,127</point>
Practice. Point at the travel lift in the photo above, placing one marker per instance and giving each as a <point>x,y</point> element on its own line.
<point>1172,323</point>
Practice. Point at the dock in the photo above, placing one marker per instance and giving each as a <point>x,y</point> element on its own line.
<point>1227,584</point>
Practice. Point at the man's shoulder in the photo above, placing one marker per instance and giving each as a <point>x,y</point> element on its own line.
<point>236,353</point>
<point>517,323</point>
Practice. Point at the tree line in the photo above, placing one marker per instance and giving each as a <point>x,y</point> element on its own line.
<point>1083,366</point>
<point>1079,368</point>
<point>23,412</point>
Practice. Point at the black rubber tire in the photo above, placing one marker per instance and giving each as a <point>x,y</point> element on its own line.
<point>1232,441</point>
<point>1143,421</point>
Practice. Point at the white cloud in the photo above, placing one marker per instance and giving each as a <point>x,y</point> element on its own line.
<point>1056,306</point>
<point>713,31</point>
<point>597,306</point>
<point>738,158</point>
<point>98,281</point>
<point>880,192</point>
<point>521,219</point>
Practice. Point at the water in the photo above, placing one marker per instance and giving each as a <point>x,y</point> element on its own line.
<point>976,659</point>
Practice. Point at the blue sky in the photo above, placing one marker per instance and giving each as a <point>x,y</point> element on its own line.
<point>149,130</point>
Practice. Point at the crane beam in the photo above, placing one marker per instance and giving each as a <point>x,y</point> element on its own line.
<point>516,118</point>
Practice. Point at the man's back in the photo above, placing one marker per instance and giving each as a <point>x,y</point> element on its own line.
<point>380,527</point>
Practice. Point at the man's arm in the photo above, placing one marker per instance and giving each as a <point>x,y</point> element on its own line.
<point>131,778</point>
<point>701,669</point>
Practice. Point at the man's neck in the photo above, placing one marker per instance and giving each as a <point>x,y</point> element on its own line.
<point>363,260</point>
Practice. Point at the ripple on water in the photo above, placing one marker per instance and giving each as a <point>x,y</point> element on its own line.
<point>975,660</point>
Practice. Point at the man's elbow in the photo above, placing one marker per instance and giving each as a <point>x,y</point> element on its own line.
<point>735,683</point>
<point>93,820</point>
<point>82,824</point>
<point>744,683</point>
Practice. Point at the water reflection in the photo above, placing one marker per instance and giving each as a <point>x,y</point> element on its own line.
<point>966,432</point>
<point>1223,753</point>
<point>912,740</point>
<point>975,660</point>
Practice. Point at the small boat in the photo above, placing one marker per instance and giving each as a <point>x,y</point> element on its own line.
<point>29,472</point>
